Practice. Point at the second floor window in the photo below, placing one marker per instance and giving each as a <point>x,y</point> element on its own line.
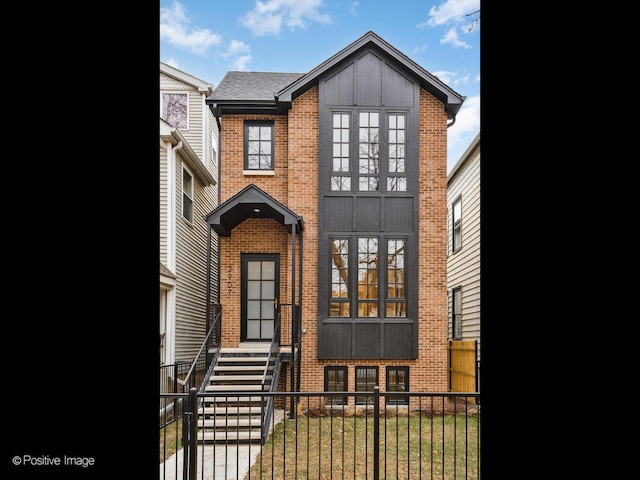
<point>456,230</point>
<point>175,109</point>
<point>258,143</point>
<point>187,195</point>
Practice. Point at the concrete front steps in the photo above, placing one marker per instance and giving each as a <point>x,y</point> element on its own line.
<point>237,417</point>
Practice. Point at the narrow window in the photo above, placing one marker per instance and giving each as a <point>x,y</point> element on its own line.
<point>456,313</point>
<point>366,380</point>
<point>175,110</point>
<point>258,137</point>
<point>340,176</point>
<point>367,277</point>
<point>339,305</point>
<point>397,381</point>
<point>368,151</point>
<point>335,380</point>
<point>187,195</point>
<point>457,225</point>
<point>397,176</point>
<point>396,301</point>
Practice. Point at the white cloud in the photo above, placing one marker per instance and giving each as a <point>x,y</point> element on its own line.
<point>267,18</point>
<point>458,16</point>
<point>175,29</point>
<point>236,47</point>
<point>467,121</point>
<point>241,63</point>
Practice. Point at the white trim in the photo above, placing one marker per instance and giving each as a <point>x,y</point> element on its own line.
<point>267,173</point>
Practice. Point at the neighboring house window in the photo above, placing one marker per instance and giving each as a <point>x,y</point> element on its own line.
<point>335,380</point>
<point>456,313</point>
<point>187,195</point>
<point>457,224</point>
<point>258,138</point>
<point>366,380</point>
<point>397,177</point>
<point>368,151</point>
<point>397,381</point>
<point>340,176</point>
<point>377,266</point>
<point>175,109</point>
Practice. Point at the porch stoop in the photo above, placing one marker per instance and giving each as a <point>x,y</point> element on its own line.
<point>235,418</point>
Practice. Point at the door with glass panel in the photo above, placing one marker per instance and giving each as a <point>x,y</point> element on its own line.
<point>260,296</point>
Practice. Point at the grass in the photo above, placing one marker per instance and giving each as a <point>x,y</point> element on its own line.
<point>170,440</point>
<point>341,447</point>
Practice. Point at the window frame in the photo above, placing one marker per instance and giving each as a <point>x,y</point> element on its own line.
<point>259,123</point>
<point>336,399</point>
<point>456,225</point>
<point>456,314</point>
<point>368,399</point>
<point>164,114</point>
<point>188,215</point>
<point>353,299</point>
<point>401,400</point>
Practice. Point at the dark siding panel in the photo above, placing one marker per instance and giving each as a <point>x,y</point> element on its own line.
<point>368,80</point>
<point>367,214</point>
<point>338,214</point>
<point>397,90</point>
<point>334,340</point>
<point>398,214</point>
<point>338,90</point>
<point>367,341</point>
<point>399,341</point>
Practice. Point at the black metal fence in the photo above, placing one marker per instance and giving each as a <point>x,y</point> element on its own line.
<point>366,436</point>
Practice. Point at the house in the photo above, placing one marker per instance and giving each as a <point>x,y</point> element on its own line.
<point>332,220</point>
<point>188,174</point>
<point>463,264</point>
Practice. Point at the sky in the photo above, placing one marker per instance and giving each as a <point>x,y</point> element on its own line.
<point>208,38</point>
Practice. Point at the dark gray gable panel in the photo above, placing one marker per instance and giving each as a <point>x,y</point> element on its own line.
<point>369,80</point>
<point>338,89</point>
<point>397,89</point>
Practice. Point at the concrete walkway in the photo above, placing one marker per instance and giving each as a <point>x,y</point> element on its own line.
<point>219,461</point>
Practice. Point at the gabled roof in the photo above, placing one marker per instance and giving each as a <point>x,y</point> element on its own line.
<point>253,92</point>
<point>195,82</point>
<point>251,202</point>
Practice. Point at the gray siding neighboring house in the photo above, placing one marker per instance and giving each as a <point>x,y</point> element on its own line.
<point>188,190</point>
<point>463,261</point>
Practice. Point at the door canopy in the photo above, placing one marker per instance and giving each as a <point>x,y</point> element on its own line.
<point>251,202</point>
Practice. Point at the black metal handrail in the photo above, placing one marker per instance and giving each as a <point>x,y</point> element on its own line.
<point>215,327</point>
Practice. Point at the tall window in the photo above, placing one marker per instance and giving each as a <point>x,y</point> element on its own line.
<point>397,177</point>
<point>339,305</point>
<point>187,195</point>
<point>457,225</point>
<point>175,109</point>
<point>340,176</point>
<point>397,381</point>
<point>366,380</point>
<point>335,380</point>
<point>258,138</point>
<point>456,313</point>
<point>368,151</point>
<point>375,266</point>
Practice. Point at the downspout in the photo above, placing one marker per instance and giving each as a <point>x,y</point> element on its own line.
<point>453,120</point>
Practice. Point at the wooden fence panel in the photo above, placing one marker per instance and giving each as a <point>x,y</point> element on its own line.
<point>462,365</point>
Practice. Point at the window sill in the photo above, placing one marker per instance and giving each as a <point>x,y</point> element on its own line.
<point>268,173</point>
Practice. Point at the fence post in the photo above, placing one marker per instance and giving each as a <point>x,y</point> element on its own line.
<point>193,444</point>
<point>376,432</point>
